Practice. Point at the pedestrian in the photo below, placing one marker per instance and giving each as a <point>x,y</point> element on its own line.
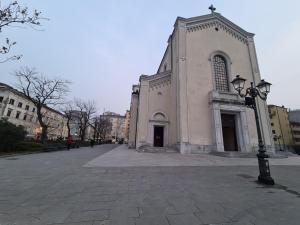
<point>92,142</point>
<point>69,142</point>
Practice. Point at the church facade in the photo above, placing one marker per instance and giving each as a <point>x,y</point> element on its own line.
<point>190,104</point>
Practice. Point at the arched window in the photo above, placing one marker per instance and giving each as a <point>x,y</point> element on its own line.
<point>221,74</point>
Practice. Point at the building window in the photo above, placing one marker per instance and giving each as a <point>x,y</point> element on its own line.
<point>221,74</point>
<point>1,99</point>
<point>297,139</point>
<point>20,104</point>
<point>11,101</point>
<point>273,131</point>
<point>9,111</point>
<point>18,114</point>
<point>33,109</point>
<point>27,107</point>
<point>272,124</point>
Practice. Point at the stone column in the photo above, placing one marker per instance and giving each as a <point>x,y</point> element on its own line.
<point>245,132</point>
<point>217,128</point>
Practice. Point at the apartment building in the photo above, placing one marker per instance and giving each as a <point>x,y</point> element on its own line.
<point>281,129</point>
<point>20,111</point>
<point>127,125</point>
<point>118,126</point>
<point>294,118</point>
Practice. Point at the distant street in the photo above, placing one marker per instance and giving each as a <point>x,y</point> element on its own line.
<point>78,187</point>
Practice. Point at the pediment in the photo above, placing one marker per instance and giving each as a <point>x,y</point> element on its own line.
<point>216,20</point>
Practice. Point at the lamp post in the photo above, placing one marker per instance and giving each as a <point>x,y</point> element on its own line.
<point>261,90</point>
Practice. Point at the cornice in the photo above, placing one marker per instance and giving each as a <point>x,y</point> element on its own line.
<point>160,82</point>
<point>155,76</point>
<point>157,80</point>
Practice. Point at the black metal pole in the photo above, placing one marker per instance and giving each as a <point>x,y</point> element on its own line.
<point>263,163</point>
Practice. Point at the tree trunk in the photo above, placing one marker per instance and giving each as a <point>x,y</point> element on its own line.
<point>97,137</point>
<point>42,124</point>
<point>44,135</point>
<point>68,127</point>
<point>83,134</point>
<point>95,130</point>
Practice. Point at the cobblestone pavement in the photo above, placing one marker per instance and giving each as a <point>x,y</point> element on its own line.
<point>124,157</point>
<point>55,188</point>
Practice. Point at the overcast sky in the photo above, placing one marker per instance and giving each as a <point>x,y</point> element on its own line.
<point>103,46</point>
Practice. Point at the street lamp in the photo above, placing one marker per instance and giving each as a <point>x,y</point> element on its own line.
<point>261,90</point>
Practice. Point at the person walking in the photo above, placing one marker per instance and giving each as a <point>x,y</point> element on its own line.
<point>92,142</point>
<point>69,142</point>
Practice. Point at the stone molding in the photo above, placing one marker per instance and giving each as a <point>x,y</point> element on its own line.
<point>225,97</point>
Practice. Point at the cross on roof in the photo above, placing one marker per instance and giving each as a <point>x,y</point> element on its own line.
<point>212,8</point>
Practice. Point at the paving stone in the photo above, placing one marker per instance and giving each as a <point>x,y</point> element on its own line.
<point>212,217</point>
<point>189,219</point>
<point>80,223</point>
<point>104,222</point>
<point>88,216</point>
<point>183,205</point>
<point>154,220</point>
<point>86,206</point>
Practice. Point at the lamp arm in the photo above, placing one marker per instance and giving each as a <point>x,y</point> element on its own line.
<point>261,95</point>
<point>246,93</point>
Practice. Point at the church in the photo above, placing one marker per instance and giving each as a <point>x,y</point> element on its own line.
<point>190,104</point>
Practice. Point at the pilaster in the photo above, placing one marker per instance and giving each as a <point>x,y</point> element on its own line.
<point>182,77</point>
<point>264,119</point>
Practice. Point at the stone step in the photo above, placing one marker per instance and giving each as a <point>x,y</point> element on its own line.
<point>246,154</point>
<point>150,149</point>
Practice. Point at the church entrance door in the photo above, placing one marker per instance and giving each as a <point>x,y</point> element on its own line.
<point>229,132</point>
<point>158,136</point>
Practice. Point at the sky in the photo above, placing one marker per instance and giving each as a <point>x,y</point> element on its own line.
<point>104,46</point>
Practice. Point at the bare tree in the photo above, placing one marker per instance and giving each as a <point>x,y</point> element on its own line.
<point>42,92</point>
<point>104,127</point>
<point>86,110</point>
<point>15,14</point>
<point>94,124</point>
<point>68,110</point>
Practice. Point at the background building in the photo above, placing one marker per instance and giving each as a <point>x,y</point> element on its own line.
<point>281,129</point>
<point>118,127</point>
<point>20,111</point>
<point>127,125</point>
<point>75,123</point>
<point>294,117</point>
<point>285,127</point>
